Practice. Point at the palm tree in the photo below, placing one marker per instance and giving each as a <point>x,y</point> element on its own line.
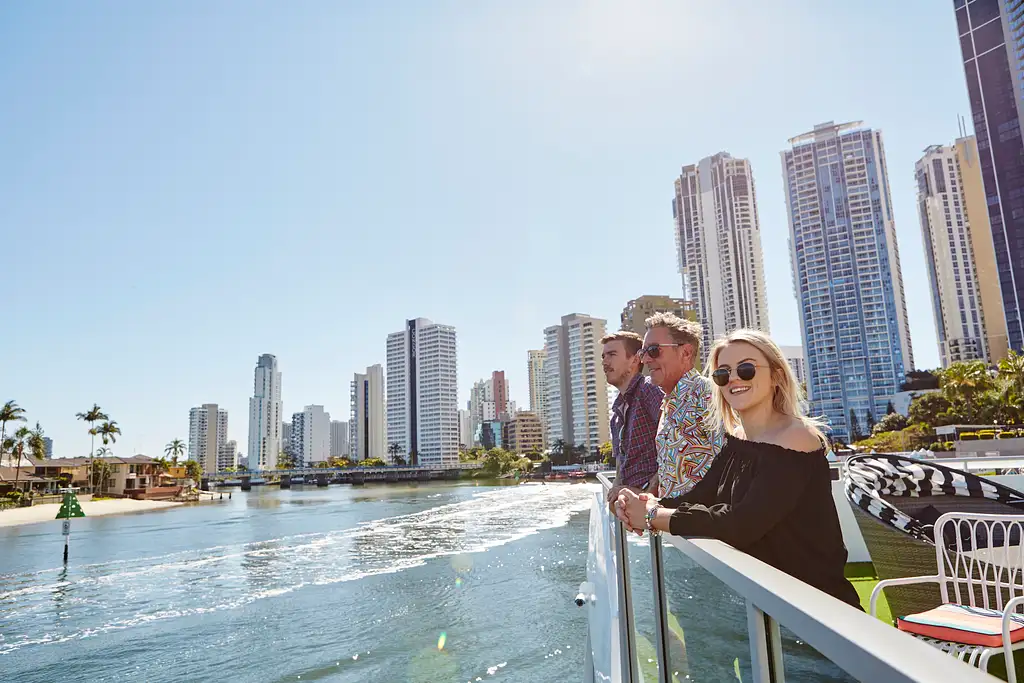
<point>92,416</point>
<point>10,412</point>
<point>20,441</point>
<point>393,450</point>
<point>175,449</point>
<point>103,452</point>
<point>108,432</point>
<point>100,470</point>
<point>963,381</point>
<point>36,443</point>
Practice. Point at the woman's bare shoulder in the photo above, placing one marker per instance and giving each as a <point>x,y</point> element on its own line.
<point>797,436</point>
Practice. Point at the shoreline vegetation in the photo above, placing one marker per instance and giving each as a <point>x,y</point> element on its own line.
<point>38,514</point>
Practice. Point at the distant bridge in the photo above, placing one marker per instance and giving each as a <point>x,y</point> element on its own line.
<point>341,475</point>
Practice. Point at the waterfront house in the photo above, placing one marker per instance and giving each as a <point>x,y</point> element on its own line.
<point>26,481</point>
<point>74,471</point>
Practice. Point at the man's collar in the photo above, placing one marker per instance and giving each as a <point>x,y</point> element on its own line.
<point>685,383</point>
<point>631,388</point>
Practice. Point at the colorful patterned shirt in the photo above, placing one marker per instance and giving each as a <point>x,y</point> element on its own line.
<point>634,425</point>
<point>686,445</point>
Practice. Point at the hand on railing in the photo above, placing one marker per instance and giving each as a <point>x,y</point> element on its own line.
<point>631,508</point>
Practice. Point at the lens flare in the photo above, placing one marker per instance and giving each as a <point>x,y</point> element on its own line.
<point>441,639</point>
<point>458,582</point>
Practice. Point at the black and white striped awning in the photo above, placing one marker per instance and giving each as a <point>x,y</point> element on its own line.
<point>869,477</point>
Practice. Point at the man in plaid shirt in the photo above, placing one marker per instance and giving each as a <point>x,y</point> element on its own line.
<point>635,414</point>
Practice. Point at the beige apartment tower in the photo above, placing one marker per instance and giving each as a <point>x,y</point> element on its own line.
<point>637,311</point>
<point>966,300</point>
<point>575,387</point>
<point>523,434</point>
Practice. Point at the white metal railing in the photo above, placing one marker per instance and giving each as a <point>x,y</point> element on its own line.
<point>862,646</point>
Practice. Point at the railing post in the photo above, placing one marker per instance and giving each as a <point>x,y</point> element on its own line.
<point>660,610</point>
<point>627,639</point>
<point>765,646</point>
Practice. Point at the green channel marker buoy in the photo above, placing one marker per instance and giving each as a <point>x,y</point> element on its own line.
<point>69,508</point>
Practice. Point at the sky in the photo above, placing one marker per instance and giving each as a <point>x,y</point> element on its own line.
<point>185,186</point>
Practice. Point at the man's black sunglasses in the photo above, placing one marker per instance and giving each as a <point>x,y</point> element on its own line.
<point>745,371</point>
<point>654,350</point>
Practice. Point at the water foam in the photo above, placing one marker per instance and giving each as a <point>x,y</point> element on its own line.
<point>228,577</point>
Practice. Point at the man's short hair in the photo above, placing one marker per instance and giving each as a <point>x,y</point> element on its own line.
<point>631,340</point>
<point>682,331</point>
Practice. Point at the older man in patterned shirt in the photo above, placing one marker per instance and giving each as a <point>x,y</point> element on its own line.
<point>686,444</point>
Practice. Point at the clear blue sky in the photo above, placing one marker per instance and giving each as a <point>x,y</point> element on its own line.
<point>187,185</point>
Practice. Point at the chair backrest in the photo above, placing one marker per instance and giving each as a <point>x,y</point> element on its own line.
<point>980,558</point>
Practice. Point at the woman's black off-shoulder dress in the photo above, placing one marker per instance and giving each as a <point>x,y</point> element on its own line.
<point>775,504</point>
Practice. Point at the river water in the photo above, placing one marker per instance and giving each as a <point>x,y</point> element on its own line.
<point>425,582</point>
<point>419,582</point>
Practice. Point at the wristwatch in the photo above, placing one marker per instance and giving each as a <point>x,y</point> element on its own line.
<point>650,520</point>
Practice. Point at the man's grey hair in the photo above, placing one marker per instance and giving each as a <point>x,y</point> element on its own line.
<point>683,331</point>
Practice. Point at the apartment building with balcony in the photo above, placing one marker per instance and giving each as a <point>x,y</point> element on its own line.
<point>846,273</point>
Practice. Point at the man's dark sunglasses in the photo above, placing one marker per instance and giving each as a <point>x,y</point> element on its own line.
<point>745,371</point>
<point>654,350</point>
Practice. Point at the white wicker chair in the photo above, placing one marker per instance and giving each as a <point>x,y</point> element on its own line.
<point>990,577</point>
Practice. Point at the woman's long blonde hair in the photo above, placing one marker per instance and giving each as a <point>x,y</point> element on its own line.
<point>788,398</point>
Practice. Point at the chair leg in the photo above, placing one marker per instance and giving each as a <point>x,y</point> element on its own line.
<point>1011,670</point>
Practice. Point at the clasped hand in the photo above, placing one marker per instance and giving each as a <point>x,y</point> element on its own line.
<point>631,508</point>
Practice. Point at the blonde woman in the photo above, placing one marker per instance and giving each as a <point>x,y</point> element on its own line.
<point>769,492</point>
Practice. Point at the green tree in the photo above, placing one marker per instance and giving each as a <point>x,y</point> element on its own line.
<point>285,461</point>
<point>37,443</point>
<point>870,422</point>
<point>606,453</point>
<point>890,408</point>
<point>175,449</point>
<point>394,450</point>
<point>854,427</point>
<point>193,470</point>
<point>893,422</point>
<point>373,462</point>
<point>92,416</point>
<point>398,460</point>
<point>99,472</point>
<point>932,409</point>
<point>9,412</point>
<point>20,441</point>
<point>962,384</point>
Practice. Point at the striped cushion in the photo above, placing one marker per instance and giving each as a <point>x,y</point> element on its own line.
<point>963,624</point>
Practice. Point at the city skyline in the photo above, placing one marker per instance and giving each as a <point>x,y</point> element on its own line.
<point>591,90</point>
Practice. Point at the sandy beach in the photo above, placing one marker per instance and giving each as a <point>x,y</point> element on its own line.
<point>99,508</point>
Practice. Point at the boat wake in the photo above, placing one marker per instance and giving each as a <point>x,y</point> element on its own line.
<point>123,594</point>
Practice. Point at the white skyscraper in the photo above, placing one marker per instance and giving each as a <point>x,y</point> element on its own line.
<point>575,387</point>
<point>465,428</point>
<point>207,434</point>
<point>367,425</point>
<point>265,415</point>
<point>311,436</point>
<point>535,376</point>
<point>227,456</point>
<point>423,410</point>
<point>795,357</point>
<point>718,241</point>
<point>339,439</point>
<point>966,301</point>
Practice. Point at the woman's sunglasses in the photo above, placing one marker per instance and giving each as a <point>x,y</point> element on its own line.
<point>745,371</point>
